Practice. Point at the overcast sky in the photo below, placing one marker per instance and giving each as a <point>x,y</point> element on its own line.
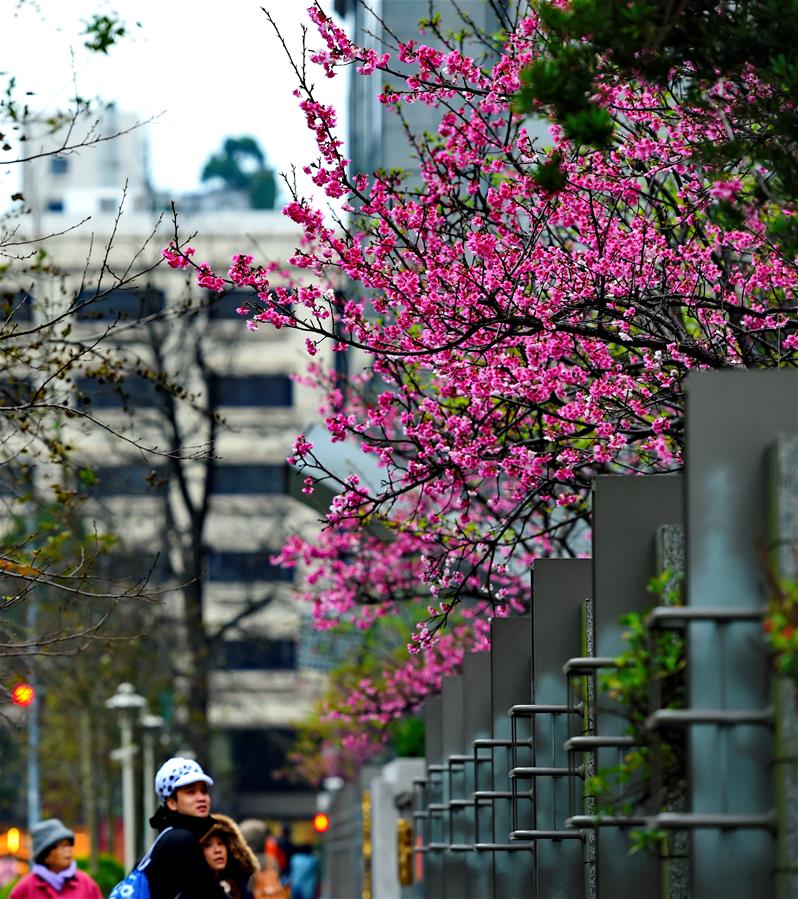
<point>211,70</point>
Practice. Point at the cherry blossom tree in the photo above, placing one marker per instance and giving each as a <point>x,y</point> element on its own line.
<point>527,311</point>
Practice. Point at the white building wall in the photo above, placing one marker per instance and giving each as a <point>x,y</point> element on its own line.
<point>76,181</point>
<point>251,435</point>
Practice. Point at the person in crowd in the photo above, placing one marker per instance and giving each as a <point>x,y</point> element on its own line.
<point>231,860</point>
<point>54,872</point>
<point>177,864</point>
<point>267,882</point>
<point>304,872</point>
<point>286,844</point>
<point>272,847</point>
<point>254,832</point>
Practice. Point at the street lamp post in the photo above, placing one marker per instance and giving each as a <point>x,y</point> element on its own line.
<point>127,702</point>
<point>33,794</point>
<point>150,725</point>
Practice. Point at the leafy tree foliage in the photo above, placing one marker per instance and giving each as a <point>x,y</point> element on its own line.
<point>102,31</point>
<point>685,49</point>
<point>241,165</point>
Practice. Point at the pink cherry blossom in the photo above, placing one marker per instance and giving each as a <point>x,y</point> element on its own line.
<point>511,342</point>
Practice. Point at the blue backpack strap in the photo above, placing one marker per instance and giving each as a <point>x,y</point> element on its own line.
<point>147,855</point>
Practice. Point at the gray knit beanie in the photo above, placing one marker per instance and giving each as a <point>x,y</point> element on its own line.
<point>46,834</point>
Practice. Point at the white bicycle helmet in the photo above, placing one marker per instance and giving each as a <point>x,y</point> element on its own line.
<point>178,772</point>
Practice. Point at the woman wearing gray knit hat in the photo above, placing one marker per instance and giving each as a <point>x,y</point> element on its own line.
<point>54,873</point>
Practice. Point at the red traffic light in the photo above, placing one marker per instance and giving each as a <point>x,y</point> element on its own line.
<point>321,823</point>
<point>23,695</point>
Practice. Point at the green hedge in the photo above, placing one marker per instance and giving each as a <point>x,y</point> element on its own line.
<point>109,871</point>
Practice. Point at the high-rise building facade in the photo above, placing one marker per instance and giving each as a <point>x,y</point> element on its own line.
<point>376,135</point>
<point>231,429</point>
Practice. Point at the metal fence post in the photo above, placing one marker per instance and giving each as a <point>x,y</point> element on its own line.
<point>476,726</point>
<point>454,879</point>
<point>511,679</point>
<point>560,586</point>
<point>433,858</point>
<point>627,513</point>
<point>783,542</point>
<point>732,418</point>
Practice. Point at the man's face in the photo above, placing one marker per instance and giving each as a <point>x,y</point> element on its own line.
<point>60,856</point>
<point>192,799</point>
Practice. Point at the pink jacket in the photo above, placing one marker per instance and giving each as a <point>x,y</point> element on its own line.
<point>81,886</point>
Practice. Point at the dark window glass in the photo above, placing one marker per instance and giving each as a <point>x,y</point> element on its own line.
<point>255,390</point>
<point>15,479</point>
<point>223,306</point>
<point>55,205</point>
<point>59,165</point>
<point>257,655</point>
<point>133,392</point>
<point>250,480</point>
<point>325,650</point>
<point>16,391</point>
<point>129,305</point>
<point>16,305</point>
<point>123,480</point>
<point>257,757</point>
<point>124,566</point>
<point>234,566</point>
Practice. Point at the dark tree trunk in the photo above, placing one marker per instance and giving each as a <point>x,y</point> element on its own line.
<point>199,662</point>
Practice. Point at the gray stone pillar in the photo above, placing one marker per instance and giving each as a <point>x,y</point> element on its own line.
<point>733,417</point>
<point>783,517</point>
<point>395,779</point>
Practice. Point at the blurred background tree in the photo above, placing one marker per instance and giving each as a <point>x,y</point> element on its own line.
<point>241,166</point>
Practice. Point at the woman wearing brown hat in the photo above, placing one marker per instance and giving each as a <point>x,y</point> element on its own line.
<point>54,873</point>
<point>230,858</point>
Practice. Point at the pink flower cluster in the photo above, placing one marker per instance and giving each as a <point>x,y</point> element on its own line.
<point>177,258</point>
<point>519,341</point>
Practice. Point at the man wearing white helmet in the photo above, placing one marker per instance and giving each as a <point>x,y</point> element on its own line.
<point>177,866</point>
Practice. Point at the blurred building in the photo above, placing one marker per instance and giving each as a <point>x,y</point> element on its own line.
<point>376,136</point>
<point>259,689</point>
<point>92,179</point>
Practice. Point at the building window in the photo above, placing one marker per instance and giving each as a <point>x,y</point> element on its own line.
<point>223,306</point>
<point>325,650</point>
<point>109,204</point>
<point>15,479</point>
<point>149,566</point>
<point>59,165</point>
<point>55,205</point>
<point>255,390</point>
<point>232,566</point>
<point>129,305</point>
<point>250,480</point>
<point>16,306</point>
<point>18,391</point>
<point>258,756</point>
<point>132,392</point>
<point>256,654</point>
<point>123,480</point>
